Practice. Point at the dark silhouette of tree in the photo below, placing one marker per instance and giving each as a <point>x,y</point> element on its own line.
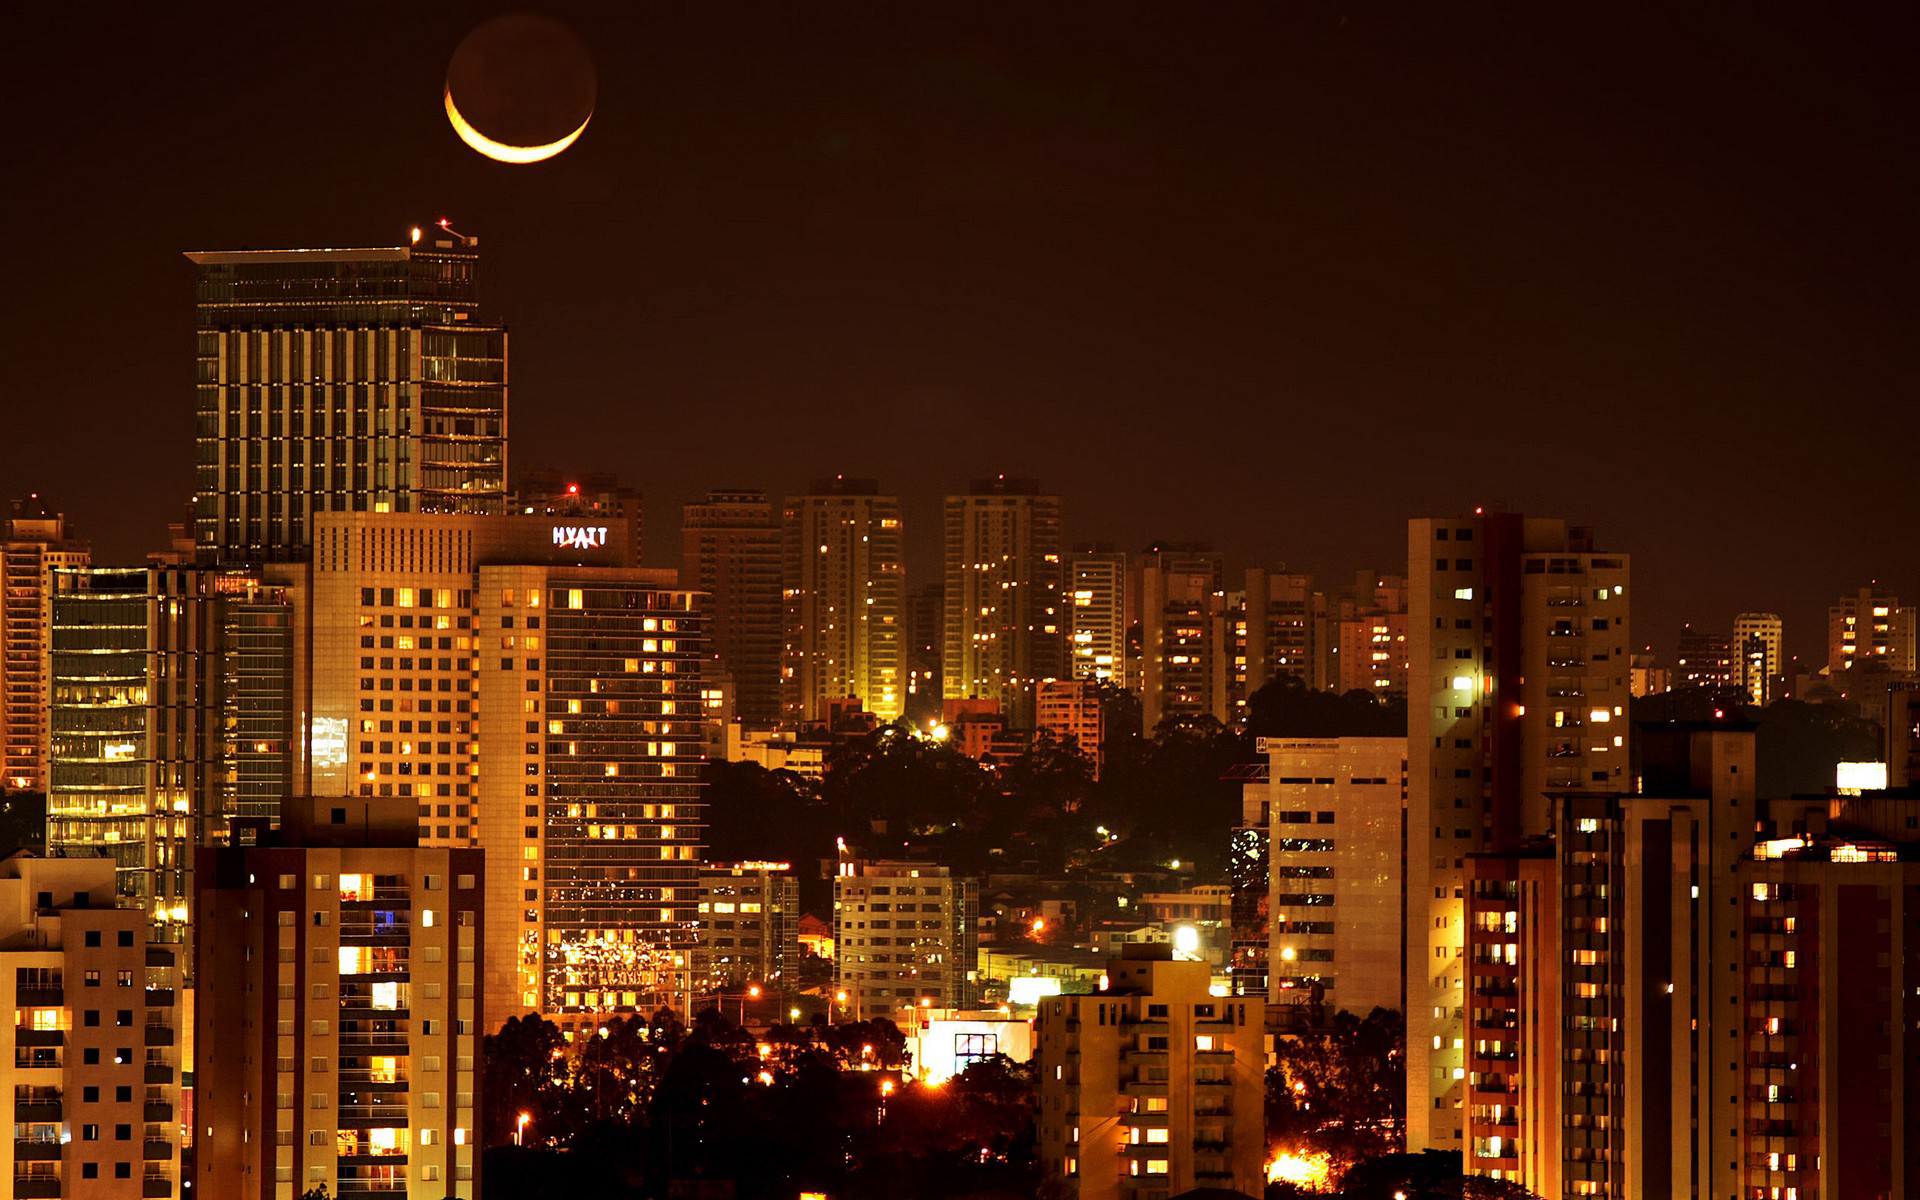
<point>522,1071</point>
<point>1285,707</point>
<point>1342,1089</point>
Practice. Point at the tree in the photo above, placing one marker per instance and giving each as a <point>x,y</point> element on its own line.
<point>1342,1090</point>
<point>1285,707</point>
<point>523,1071</point>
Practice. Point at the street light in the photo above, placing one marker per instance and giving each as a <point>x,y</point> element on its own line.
<point>520,1128</point>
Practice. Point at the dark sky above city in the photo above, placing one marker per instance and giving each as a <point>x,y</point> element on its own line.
<point>1276,276</point>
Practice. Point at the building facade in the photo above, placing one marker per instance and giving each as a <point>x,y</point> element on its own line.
<point>749,916</point>
<point>730,549</point>
<point>338,1008</point>
<point>1518,638</point>
<point>1871,629</point>
<point>169,718</point>
<point>33,543</point>
<point>1152,1087</point>
<point>1099,615</point>
<point>1757,639</point>
<point>334,381</point>
<point>530,695</point>
<point>843,631</point>
<point>905,936</point>
<point>1070,708</point>
<point>1336,835</point>
<point>91,1057</point>
<point>1006,608</point>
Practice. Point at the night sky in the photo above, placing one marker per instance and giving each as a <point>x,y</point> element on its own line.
<point>1278,277</point>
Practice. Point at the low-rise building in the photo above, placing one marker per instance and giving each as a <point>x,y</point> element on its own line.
<point>905,937</point>
<point>1153,1087</point>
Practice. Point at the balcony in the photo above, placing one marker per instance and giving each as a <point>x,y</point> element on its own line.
<point>159,1073</point>
<point>158,1110</point>
<point>156,1150</point>
<point>34,1187</point>
<point>159,1035</point>
<point>159,997</point>
<point>41,996</point>
<point>39,1037</point>
<point>156,1185</point>
<point>36,1150</point>
<point>36,1110</point>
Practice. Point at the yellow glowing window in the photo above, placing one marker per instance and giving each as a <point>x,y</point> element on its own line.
<point>386,995</point>
<point>354,887</point>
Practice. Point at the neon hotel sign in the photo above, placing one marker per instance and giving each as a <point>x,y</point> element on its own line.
<point>580,537</point>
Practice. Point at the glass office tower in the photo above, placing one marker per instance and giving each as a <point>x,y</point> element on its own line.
<point>358,380</point>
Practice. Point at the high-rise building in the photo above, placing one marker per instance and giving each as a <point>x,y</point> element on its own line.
<point>363,380</point>
<point>1756,646</point>
<point>1153,1087</point>
<point>1182,627</point>
<point>339,994</point>
<point>90,1058</point>
<point>533,695</point>
<point>169,718</point>
<point>1336,833</point>
<point>1364,647</point>
<point>1708,661</point>
<point>589,495</point>
<point>843,628</point>
<point>1070,708</point>
<point>1870,628</point>
<point>33,542</point>
<point>730,549</point>
<point>749,916</point>
<point>1099,614</point>
<point>1006,624</point>
<point>1272,625</point>
<point>1518,660</point>
<point>926,610</point>
<point>1664,1004</point>
<point>905,937</point>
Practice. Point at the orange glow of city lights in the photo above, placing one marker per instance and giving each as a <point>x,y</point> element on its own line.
<point>754,991</point>
<point>1306,1169</point>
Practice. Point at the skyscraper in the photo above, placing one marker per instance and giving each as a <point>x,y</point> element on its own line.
<point>33,541</point>
<point>168,719</point>
<point>361,380</point>
<point>1756,645</point>
<point>843,631</point>
<point>1006,627</point>
<point>730,549</point>
<point>1706,660</point>
<point>1098,614</point>
<point>1518,652</point>
<point>1871,629</point>
<point>1181,602</point>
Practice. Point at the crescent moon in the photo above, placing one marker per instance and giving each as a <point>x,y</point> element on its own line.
<point>502,151</point>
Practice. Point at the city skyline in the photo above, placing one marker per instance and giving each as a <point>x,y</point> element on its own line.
<point>810,265</point>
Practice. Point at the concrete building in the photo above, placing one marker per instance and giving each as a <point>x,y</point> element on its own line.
<point>926,612</point>
<point>1337,837</point>
<point>1706,660</point>
<point>340,991</point>
<point>1182,630</point>
<point>169,718</point>
<point>1272,626</point>
<point>1362,643</point>
<point>905,936</point>
<point>1006,619</point>
<point>1649,676</point>
<point>844,631</point>
<point>1871,628</point>
<point>33,543</point>
<point>334,381</point>
<point>534,696</point>
<point>1153,1087</point>
<point>588,497</point>
<point>1756,644</point>
<point>1518,641</point>
<point>749,925</point>
<point>1099,614</point>
<point>90,1057</point>
<point>1665,1004</point>
<point>730,549</point>
<point>1070,708</point>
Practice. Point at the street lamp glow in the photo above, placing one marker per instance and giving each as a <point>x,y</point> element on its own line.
<point>1186,940</point>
